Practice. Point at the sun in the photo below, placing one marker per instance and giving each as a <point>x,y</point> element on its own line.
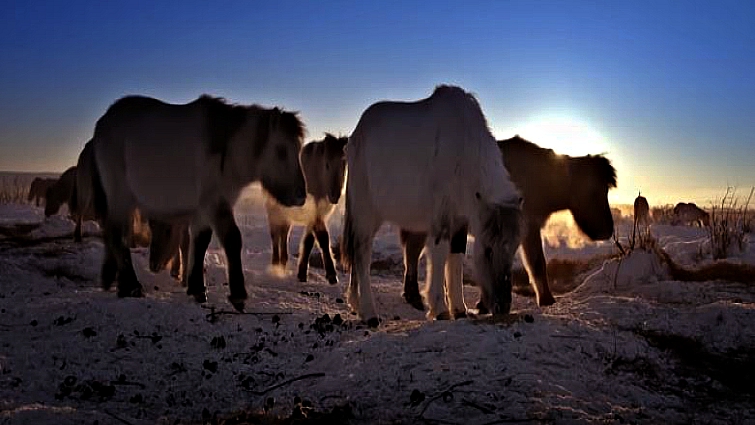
<point>565,135</point>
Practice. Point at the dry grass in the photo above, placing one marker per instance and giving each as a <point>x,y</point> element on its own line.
<point>729,224</point>
<point>14,188</point>
<point>663,214</point>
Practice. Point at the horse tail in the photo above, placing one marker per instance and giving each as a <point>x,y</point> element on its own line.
<point>348,238</point>
<point>89,198</point>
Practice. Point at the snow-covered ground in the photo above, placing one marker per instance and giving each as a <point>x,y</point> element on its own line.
<point>626,344</point>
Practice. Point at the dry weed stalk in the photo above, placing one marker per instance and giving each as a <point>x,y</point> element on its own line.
<point>13,190</point>
<point>729,224</point>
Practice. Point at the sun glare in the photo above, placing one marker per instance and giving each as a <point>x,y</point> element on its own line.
<point>564,135</point>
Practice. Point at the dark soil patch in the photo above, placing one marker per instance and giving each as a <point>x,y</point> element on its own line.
<point>18,230</point>
<point>734,370</point>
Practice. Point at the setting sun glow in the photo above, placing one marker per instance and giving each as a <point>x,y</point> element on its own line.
<point>564,135</point>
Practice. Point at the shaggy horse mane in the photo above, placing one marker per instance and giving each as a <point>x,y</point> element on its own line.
<point>445,90</point>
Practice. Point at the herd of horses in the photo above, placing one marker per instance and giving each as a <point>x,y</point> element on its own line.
<point>431,167</point>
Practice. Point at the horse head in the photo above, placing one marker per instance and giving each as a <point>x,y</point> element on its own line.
<point>592,176</point>
<point>54,200</point>
<point>280,169</point>
<point>495,244</point>
<point>335,165</point>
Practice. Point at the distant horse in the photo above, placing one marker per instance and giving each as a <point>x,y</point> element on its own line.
<point>38,189</point>
<point>431,166</point>
<point>324,166</point>
<point>60,192</point>
<point>190,162</point>
<point>690,214</point>
<point>549,182</point>
<point>641,210</point>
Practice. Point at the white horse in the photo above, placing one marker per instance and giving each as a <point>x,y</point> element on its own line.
<point>190,161</point>
<point>324,167</point>
<point>431,166</point>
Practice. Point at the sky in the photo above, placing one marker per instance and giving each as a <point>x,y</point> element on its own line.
<point>666,89</point>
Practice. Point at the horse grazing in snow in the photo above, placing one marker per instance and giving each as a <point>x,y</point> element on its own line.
<point>690,214</point>
<point>549,182</point>
<point>431,166</point>
<point>38,189</point>
<point>324,166</point>
<point>215,149</point>
<point>60,192</point>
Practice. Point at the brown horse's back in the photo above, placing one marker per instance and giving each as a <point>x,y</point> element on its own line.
<point>60,193</point>
<point>539,173</point>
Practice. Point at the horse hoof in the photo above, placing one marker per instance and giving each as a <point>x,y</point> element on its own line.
<point>332,279</point>
<point>415,300</point>
<point>443,316</point>
<point>237,304</point>
<point>130,293</point>
<point>481,309</point>
<point>373,322</point>
<point>546,300</point>
<point>460,314</point>
<point>302,277</point>
<point>200,297</point>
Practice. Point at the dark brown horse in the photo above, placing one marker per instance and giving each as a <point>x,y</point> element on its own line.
<point>549,182</point>
<point>38,189</point>
<point>324,166</point>
<point>60,192</point>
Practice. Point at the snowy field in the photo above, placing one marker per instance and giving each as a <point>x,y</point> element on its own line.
<point>625,343</point>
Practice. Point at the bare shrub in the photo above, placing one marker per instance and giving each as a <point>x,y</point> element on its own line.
<point>14,189</point>
<point>663,214</point>
<point>729,224</point>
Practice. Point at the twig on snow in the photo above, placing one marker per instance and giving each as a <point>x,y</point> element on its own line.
<point>117,418</point>
<point>482,409</point>
<point>286,382</point>
<point>213,315</point>
<point>443,394</point>
<point>513,421</point>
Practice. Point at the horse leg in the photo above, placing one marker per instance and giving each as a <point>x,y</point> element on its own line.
<point>285,230</point>
<point>305,249</point>
<point>323,240</point>
<point>360,292</point>
<point>436,249</point>
<point>175,264</point>
<point>230,238</point>
<point>455,273</point>
<point>184,247</point>
<point>200,240</point>
<point>77,230</point>
<point>274,237</point>
<point>412,244</point>
<point>109,270</point>
<point>534,259</point>
<point>120,254</point>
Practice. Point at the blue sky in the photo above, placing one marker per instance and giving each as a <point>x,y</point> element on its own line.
<point>666,89</point>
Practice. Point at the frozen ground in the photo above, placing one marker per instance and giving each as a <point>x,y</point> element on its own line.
<point>624,344</point>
